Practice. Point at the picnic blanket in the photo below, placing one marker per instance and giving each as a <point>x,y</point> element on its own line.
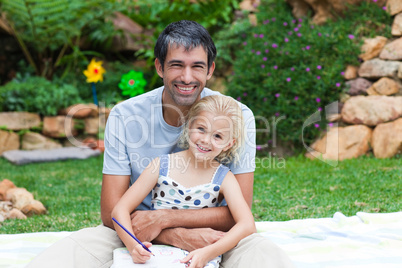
<point>364,240</point>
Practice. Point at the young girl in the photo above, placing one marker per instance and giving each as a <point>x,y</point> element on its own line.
<point>195,178</point>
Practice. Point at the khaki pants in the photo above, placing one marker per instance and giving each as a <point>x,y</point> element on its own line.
<point>93,247</point>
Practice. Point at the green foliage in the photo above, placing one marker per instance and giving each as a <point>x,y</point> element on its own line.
<point>155,15</point>
<point>286,70</point>
<point>108,91</point>
<point>36,94</point>
<point>47,30</point>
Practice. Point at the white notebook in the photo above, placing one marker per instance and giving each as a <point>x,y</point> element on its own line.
<point>165,256</point>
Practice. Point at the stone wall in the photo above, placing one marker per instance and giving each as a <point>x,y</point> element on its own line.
<point>371,117</point>
<point>76,125</point>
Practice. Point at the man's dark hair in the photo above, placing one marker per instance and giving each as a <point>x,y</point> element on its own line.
<point>188,34</point>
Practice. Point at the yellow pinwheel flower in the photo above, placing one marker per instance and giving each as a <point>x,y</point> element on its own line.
<point>94,72</point>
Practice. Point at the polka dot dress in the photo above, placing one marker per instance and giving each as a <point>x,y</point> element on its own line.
<point>168,194</point>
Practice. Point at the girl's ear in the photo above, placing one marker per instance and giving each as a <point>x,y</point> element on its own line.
<point>230,144</point>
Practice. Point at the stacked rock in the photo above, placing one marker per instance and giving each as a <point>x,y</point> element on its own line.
<point>372,110</point>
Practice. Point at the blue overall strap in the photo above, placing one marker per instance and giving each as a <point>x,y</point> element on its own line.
<point>164,165</point>
<point>220,174</point>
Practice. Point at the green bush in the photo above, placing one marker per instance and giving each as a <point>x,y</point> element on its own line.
<point>36,94</point>
<point>108,91</point>
<point>286,69</point>
<point>50,32</point>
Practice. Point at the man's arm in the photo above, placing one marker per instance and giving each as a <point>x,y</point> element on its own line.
<point>113,188</point>
<point>219,219</point>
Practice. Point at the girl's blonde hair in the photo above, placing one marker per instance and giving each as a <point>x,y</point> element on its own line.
<point>218,105</point>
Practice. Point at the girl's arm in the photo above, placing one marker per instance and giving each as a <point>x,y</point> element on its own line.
<point>244,224</point>
<point>131,199</point>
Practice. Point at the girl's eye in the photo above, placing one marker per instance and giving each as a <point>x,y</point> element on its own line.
<point>201,129</point>
<point>217,136</point>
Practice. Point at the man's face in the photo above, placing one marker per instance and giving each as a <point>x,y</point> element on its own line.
<point>184,75</point>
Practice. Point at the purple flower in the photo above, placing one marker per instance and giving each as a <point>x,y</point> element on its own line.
<point>277,114</point>
<point>319,67</point>
<point>273,19</point>
<point>267,50</point>
<point>265,59</point>
<point>285,24</point>
<point>292,69</point>
<point>299,34</point>
<point>319,34</point>
<point>374,1</point>
<point>296,98</point>
<point>261,36</point>
<point>384,8</point>
<point>274,45</point>
<point>330,124</point>
<point>318,100</point>
<point>266,21</point>
<point>244,43</point>
<point>256,35</point>
<point>288,79</point>
<point>296,29</point>
<point>338,84</point>
<point>351,36</point>
<point>238,98</point>
<point>318,77</point>
<point>245,94</point>
<point>294,21</point>
<point>319,109</point>
<point>262,66</point>
<point>307,47</point>
<point>276,67</point>
<point>312,26</point>
<point>307,69</point>
<point>300,20</point>
<point>316,125</point>
<point>286,40</point>
<point>342,73</point>
<point>299,26</point>
<point>252,51</point>
<point>258,147</point>
<point>277,95</point>
<point>258,53</point>
<point>290,33</point>
<point>268,74</point>
<point>265,99</point>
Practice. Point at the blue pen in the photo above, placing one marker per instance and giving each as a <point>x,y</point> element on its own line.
<point>135,238</point>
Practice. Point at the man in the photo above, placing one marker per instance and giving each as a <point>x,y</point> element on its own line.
<point>148,126</point>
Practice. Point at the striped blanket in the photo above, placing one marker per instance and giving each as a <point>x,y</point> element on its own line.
<point>365,240</point>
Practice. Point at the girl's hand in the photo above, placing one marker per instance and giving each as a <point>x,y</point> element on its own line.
<point>197,258</point>
<point>139,254</point>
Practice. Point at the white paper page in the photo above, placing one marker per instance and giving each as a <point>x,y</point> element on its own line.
<point>165,256</point>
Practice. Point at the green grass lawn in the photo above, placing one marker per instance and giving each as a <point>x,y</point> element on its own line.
<point>296,188</point>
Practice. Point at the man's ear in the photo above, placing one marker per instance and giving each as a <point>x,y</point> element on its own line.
<point>159,68</point>
<point>211,71</point>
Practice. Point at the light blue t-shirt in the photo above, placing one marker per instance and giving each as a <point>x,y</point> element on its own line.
<point>136,133</point>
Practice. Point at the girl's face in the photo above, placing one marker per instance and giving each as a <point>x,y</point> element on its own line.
<point>209,135</point>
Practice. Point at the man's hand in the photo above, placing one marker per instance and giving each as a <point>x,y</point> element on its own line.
<point>189,239</point>
<point>147,224</point>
